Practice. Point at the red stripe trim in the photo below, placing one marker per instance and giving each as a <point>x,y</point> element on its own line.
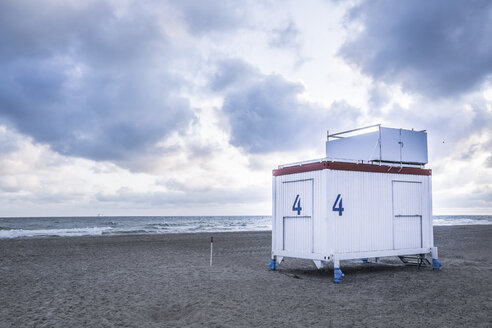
<point>339,166</point>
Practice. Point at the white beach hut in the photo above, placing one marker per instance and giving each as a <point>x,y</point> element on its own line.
<point>370,197</point>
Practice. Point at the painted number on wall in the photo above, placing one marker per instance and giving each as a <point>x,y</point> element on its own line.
<point>338,209</point>
<point>297,205</point>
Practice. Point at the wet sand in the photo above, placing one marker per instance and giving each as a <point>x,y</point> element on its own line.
<point>166,281</point>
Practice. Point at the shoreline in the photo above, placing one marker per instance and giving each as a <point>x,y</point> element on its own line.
<point>138,234</point>
<point>165,280</point>
<point>187,233</point>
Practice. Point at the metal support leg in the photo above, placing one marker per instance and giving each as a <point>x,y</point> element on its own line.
<point>434,253</point>
<point>436,265</point>
<point>338,274</point>
<point>273,264</point>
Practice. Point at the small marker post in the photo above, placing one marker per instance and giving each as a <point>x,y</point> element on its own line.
<point>211,249</point>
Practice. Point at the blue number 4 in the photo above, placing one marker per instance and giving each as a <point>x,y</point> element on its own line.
<point>339,208</point>
<point>297,205</point>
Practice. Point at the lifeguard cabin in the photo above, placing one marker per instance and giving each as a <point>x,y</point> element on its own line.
<point>370,197</point>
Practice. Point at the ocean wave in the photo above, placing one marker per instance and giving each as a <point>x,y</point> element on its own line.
<point>94,226</point>
<point>125,232</point>
<point>18,233</point>
<point>440,221</point>
<point>160,226</point>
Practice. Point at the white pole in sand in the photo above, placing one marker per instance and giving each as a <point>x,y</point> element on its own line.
<point>211,249</point>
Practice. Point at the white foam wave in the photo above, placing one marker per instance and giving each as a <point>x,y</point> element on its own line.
<point>16,233</point>
<point>263,225</point>
<point>462,221</point>
<point>19,228</point>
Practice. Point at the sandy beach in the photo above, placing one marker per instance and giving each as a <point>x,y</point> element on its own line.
<point>166,281</point>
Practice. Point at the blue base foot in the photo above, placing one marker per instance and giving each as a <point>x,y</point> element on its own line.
<point>273,265</point>
<point>436,265</point>
<point>338,276</point>
<point>365,260</point>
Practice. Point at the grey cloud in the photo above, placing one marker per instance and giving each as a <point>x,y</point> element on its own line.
<point>87,81</point>
<point>9,143</point>
<point>210,16</point>
<point>285,37</point>
<point>266,114</point>
<point>379,96</point>
<point>482,117</point>
<point>488,162</point>
<point>342,115</point>
<point>289,37</point>
<point>448,125</point>
<point>232,72</point>
<point>470,152</point>
<point>436,48</point>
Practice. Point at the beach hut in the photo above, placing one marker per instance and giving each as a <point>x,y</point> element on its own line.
<point>370,197</point>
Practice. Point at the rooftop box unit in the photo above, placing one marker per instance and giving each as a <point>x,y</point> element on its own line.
<point>385,145</point>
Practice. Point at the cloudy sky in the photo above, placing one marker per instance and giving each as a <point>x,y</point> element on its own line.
<point>185,107</point>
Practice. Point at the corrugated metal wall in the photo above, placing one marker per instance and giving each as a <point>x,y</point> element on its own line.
<point>377,208</point>
<point>368,220</point>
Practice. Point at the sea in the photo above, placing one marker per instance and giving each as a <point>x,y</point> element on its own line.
<point>26,227</point>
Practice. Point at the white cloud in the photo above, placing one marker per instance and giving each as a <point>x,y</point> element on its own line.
<point>435,48</point>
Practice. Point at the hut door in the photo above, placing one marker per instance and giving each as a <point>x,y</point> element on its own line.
<point>297,216</point>
<point>407,211</point>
